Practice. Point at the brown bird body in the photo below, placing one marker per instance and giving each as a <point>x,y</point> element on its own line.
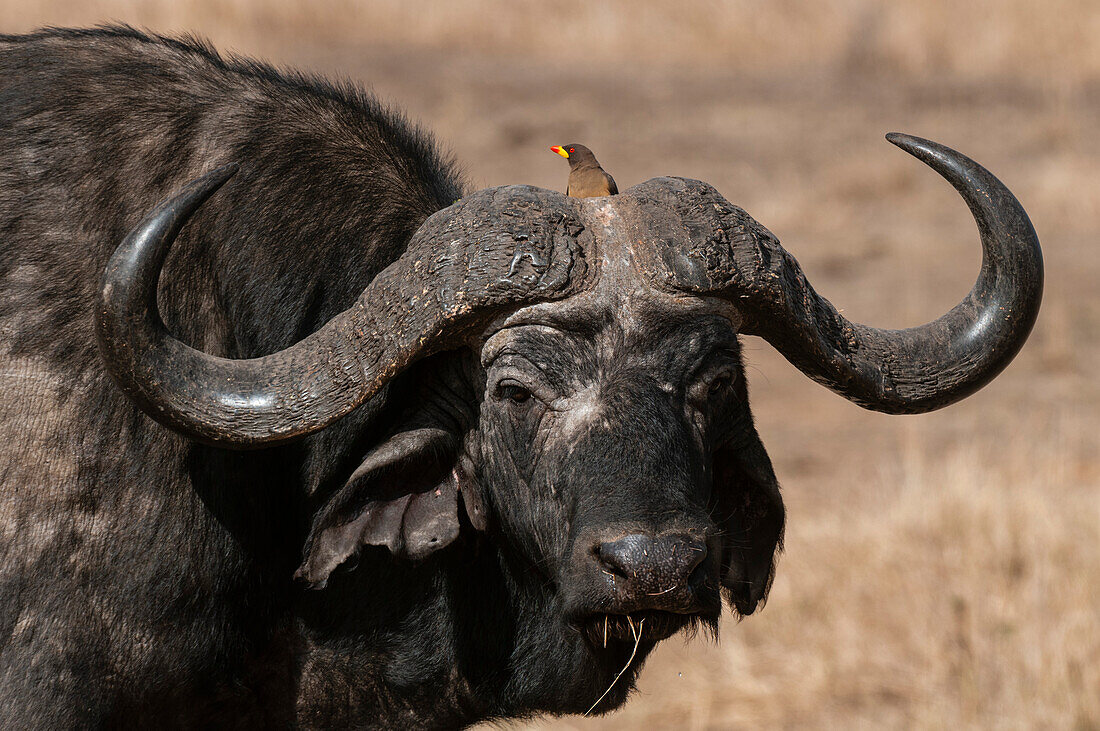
<point>586,178</point>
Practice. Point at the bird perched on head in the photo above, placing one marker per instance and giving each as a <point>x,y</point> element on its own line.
<point>586,178</point>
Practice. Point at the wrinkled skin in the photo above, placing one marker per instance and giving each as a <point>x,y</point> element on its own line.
<point>604,426</point>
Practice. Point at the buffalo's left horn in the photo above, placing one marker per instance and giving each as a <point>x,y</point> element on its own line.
<point>463,265</point>
<point>922,368</point>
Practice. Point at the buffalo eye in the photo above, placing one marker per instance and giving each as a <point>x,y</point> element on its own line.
<point>514,392</point>
<point>721,382</point>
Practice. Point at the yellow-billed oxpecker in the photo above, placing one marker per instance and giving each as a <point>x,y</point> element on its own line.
<point>586,178</point>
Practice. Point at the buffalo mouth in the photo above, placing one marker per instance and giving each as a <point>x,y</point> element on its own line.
<point>647,626</point>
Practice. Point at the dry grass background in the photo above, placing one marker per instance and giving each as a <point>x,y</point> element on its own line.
<point>941,570</point>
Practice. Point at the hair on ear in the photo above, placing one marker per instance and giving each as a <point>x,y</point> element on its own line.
<point>749,511</point>
<point>404,496</point>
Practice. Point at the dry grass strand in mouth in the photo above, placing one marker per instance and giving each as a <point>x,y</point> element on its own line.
<point>637,641</point>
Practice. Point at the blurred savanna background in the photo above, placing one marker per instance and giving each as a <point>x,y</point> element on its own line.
<point>940,570</point>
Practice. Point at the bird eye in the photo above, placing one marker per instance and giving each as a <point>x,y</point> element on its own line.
<point>571,149</point>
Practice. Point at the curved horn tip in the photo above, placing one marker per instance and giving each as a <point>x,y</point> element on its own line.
<point>194,194</point>
<point>913,144</point>
<point>940,158</point>
<point>900,138</point>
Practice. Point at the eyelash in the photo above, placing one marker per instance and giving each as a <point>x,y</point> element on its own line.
<point>721,382</point>
<point>515,394</point>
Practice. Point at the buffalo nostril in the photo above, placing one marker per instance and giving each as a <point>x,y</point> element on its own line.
<point>653,564</point>
<point>614,558</point>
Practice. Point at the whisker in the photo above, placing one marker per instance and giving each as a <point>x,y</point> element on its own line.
<point>659,593</point>
<point>637,641</point>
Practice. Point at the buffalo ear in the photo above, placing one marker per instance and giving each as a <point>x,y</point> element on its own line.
<point>403,496</point>
<point>751,517</point>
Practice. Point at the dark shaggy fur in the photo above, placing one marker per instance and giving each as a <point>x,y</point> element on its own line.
<point>146,579</point>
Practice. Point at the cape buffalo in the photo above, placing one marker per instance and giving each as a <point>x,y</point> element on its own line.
<point>523,415</point>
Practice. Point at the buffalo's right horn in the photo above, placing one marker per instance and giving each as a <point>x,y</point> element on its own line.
<point>461,267</point>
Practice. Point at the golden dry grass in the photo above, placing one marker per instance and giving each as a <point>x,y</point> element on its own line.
<point>941,570</point>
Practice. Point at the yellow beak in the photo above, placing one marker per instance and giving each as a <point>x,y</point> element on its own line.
<point>560,150</point>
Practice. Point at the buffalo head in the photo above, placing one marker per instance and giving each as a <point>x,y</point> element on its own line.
<point>580,394</point>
